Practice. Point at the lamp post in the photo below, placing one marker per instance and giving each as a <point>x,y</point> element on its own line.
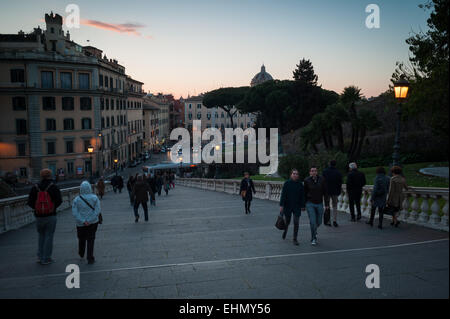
<point>90,150</point>
<point>181,166</point>
<point>115,165</point>
<point>216,170</point>
<point>401,88</point>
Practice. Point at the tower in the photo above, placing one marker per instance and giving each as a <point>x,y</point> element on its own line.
<point>54,35</point>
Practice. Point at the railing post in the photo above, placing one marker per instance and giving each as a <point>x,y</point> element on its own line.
<point>434,218</point>
<point>444,219</point>
<point>423,216</point>
<point>414,209</point>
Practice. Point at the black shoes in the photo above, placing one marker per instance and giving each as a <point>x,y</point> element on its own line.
<point>353,219</point>
<point>284,235</point>
<point>370,223</point>
<point>91,261</point>
<point>137,219</point>
<point>335,224</point>
<point>328,224</point>
<point>295,242</point>
<point>359,217</point>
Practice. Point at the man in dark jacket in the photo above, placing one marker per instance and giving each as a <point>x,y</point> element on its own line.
<point>292,202</point>
<point>356,180</point>
<point>333,179</point>
<point>45,224</point>
<point>248,187</point>
<point>120,183</point>
<point>140,191</point>
<point>315,193</point>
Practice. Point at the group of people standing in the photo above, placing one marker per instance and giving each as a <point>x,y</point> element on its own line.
<point>315,194</point>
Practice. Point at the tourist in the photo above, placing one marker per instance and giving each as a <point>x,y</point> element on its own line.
<point>378,197</point>
<point>333,179</point>
<point>395,195</point>
<point>44,199</point>
<point>101,187</point>
<point>140,191</point>
<point>159,183</point>
<point>292,202</point>
<point>315,194</point>
<point>130,185</point>
<point>120,183</point>
<point>152,189</point>
<point>356,180</point>
<point>247,187</point>
<point>166,183</point>
<point>86,210</point>
<point>114,183</point>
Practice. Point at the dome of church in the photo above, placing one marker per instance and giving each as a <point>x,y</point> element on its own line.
<point>261,77</point>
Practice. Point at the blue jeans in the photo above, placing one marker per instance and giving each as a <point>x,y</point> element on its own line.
<point>46,229</point>
<point>315,213</point>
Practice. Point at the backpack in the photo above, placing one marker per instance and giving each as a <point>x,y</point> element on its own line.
<point>44,205</point>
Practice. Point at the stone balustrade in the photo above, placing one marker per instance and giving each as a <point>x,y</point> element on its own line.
<point>15,213</point>
<point>422,205</point>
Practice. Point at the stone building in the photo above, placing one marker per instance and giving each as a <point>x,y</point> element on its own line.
<point>57,99</point>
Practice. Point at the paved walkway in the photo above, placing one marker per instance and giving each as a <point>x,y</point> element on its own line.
<point>199,244</point>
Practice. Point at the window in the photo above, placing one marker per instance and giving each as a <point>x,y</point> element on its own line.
<point>69,124</point>
<point>102,104</point>
<point>51,124</point>
<point>70,169</point>
<point>66,80</point>
<point>107,104</point>
<point>106,81</point>
<point>208,116</point>
<point>17,75</point>
<point>199,115</point>
<point>100,80</point>
<point>112,120</point>
<point>107,122</point>
<point>222,115</point>
<point>190,116</point>
<point>48,103</point>
<point>23,172</point>
<point>69,146</point>
<point>85,104</point>
<point>112,104</point>
<point>83,81</point>
<point>19,103</point>
<point>86,123</point>
<point>87,143</point>
<point>216,115</point>
<point>190,106</point>
<point>103,122</point>
<point>47,80</point>
<point>21,149</point>
<point>51,149</point>
<point>21,127</point>
<point>68,104</point>
<point>111,82</point>
<point>199,106</point>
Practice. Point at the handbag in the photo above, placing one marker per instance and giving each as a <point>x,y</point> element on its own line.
<point>100,217</point>
<point>243,193</point>
<point>280,223</point>
<point>390,210</point>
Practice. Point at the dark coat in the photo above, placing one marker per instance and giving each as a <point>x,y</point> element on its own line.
<point>396,188</point>
<point>380,190</point>
<point>356,180</point>
<point>140,191</point>
<point>315,190</point>
<point>53,191</point>
<point>292,197</point>
<point>248,187</point>
<point>333,179</point>
<point>119,182</point>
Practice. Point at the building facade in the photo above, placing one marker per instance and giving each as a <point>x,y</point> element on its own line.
<point>59,101</point>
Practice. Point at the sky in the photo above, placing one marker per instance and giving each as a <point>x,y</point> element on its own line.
<point>194,46</point>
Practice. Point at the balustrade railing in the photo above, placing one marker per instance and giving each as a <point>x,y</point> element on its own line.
<point>422,205</point>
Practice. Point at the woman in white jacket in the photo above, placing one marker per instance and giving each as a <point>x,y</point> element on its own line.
<point>86,210</point>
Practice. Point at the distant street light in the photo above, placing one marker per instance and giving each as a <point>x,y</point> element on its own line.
<point>90,150</point>
<point>115,164</point>
<point>401,89</point>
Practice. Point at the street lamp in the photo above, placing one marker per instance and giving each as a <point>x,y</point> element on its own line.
<point>115,164</point>
<point>401,88</point>
<point>90,150</point>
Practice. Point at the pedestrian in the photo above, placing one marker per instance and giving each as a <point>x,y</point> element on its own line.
<point>395,195</point>
<point>333,179</point>
<point>292,202</point>
<point>378,196</point>
<point>315,194</point>
<point>120,183</point>
<point>152,186</point>
<point>159,183</point>
<point>114,183</point>
<point>86,210</point>
<point>166,183</point>
<point>130,185</point>
<point>356,180</point>
<point>101,187</point>
<point>44,199</point>
<point>140,191</point>
<point>172,179</point>
<point>247,187</point>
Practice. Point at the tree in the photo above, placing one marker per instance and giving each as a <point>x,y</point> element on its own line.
<point>304,73</point>
<point>226,99</point>
<point>349,97</point>
<point>428,69</point>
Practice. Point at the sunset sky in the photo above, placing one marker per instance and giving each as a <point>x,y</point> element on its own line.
<point>190,47</point>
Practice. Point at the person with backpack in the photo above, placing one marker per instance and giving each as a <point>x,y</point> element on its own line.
<point>44,199</point>
<point>86,210</point>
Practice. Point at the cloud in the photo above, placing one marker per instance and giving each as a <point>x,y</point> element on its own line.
<point>127,28</point>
